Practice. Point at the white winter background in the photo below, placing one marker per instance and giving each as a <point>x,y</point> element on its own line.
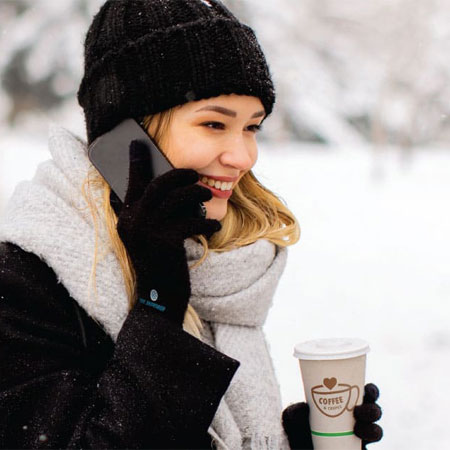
<point>358,149</point>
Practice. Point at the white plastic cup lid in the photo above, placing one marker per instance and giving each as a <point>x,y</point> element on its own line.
<point>331,348</point>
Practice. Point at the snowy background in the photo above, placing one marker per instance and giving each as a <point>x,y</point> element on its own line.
<point>356,146</point>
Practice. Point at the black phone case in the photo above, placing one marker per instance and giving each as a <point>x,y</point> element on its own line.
<point>109,153</point>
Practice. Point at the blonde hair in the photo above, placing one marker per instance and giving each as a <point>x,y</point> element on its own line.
<point>254,212</point>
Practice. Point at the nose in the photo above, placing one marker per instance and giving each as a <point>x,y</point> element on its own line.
<point>239,154</point>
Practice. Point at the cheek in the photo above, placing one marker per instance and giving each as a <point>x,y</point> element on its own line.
<point>254,153</point>
<point>191,154</point>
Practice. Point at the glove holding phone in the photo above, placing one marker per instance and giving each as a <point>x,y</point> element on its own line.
<point>157,215</point>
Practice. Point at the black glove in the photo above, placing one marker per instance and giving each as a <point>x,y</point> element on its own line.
<point>295,419</point>
<point>153,222</point>
<point>366,414</point>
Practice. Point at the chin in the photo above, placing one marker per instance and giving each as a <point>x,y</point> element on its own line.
<point>216,209</point>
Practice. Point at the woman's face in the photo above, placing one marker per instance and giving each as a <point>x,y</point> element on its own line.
<point>217,138</point>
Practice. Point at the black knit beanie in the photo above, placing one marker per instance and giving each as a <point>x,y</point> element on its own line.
<point>145,56</point>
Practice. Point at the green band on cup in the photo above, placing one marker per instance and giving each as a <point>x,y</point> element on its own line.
<point>343,433</point>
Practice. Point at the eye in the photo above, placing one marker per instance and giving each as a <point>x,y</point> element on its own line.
<point>219,125</point>
<point>215,124</point>
<point>256,128</point>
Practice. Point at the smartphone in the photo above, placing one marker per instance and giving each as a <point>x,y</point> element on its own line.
<point>109,153</point>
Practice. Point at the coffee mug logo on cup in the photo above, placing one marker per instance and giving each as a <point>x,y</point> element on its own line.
<point>332,398</point>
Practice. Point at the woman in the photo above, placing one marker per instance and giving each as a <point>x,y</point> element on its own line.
<point>169,352</point>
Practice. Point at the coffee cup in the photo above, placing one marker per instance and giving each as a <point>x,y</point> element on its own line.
<point>333,373</point>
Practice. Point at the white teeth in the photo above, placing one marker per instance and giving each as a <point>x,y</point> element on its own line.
<point>222,185</point>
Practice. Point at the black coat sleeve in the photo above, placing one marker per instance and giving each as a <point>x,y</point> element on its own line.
<point>159,387</point>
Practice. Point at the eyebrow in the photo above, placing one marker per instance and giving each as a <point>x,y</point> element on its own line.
<point>226,111</point>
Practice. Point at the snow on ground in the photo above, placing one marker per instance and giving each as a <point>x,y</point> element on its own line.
<point>372,262</point>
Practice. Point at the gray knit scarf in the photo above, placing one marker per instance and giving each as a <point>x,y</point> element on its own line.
<point>232,291</point>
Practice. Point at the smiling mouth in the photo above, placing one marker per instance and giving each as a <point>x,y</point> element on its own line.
<point>219,193</point>
<point>217,184</point>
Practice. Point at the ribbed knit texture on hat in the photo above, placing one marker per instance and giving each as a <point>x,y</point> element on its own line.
<point>145,56</point>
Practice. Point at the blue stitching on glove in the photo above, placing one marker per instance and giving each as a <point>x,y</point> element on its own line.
<point>155,305</point>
